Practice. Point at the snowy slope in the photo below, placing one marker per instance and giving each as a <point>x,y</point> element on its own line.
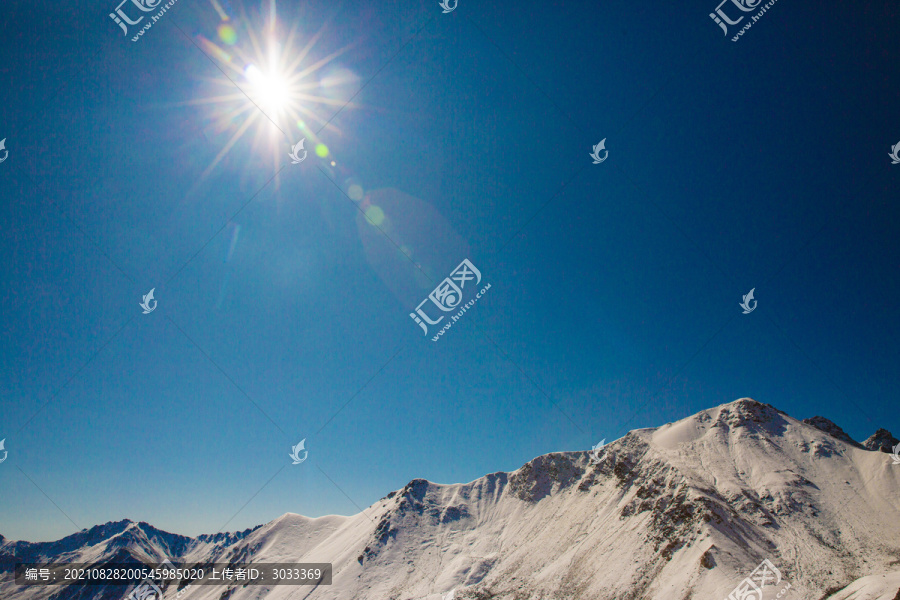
<point>686,510</point>
<point>871,587</point>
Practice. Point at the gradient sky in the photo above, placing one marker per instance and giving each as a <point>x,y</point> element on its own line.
<point>283,314</point>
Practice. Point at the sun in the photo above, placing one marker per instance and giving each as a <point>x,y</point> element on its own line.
<point>272,89</point>
<point>285,92</point>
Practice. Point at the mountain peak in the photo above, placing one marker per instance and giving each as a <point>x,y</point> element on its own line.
<point>98,533</point>
<point>544,475</point>
<point>416,489</point>
<point>829,427</point>
<point>881,440</point>
<point>747,413</point>
<point>754,408</point>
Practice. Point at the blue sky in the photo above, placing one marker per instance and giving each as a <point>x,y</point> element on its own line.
<point>283,313</point>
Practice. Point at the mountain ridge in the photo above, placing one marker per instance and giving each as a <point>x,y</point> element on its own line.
<point>684,509</point>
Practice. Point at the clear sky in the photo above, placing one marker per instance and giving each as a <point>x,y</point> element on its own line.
<point>284,313</point>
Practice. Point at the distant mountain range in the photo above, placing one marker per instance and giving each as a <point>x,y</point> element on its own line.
<point>685,510</point>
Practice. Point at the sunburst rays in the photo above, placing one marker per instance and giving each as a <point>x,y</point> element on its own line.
<point>269,88</point>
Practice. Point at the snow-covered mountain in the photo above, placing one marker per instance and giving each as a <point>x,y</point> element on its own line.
<point>686,510</point>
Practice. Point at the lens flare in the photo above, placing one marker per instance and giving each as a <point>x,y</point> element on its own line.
<point>375,215</point>
<point>227,34</point>
<point>414,255</point>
